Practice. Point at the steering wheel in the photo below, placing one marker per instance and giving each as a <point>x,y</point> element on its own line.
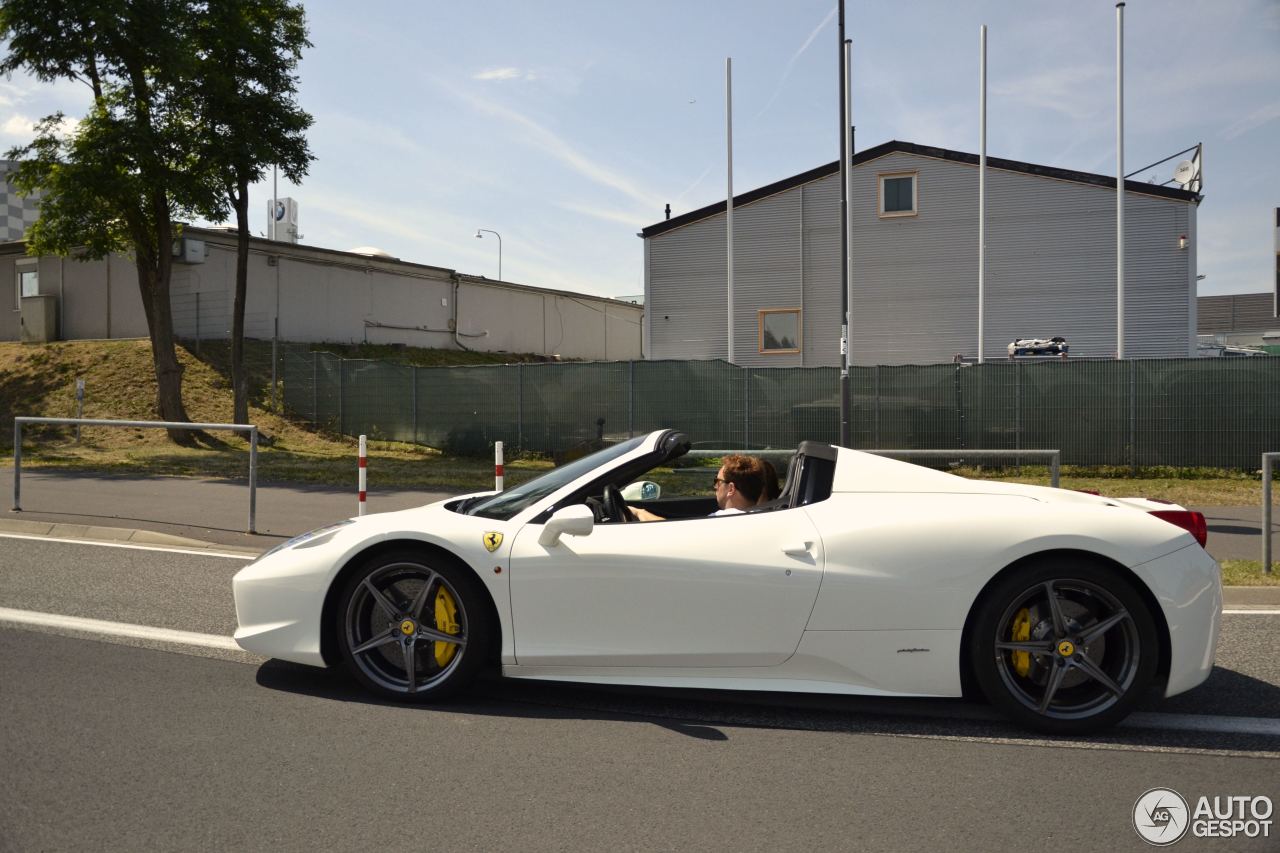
<point>615,507</point>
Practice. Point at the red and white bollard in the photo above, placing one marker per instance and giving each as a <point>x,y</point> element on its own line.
<point>364,467</point>
<point>497,466</point>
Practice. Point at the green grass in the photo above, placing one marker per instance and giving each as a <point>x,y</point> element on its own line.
<point>1248,573</point>
<point>419,357</point>
<point>1186,486</point>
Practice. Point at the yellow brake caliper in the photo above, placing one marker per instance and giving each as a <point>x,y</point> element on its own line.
<point>1021,633</point>
<point>446,621</point>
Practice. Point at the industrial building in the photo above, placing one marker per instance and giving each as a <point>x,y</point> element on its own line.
<point>913,236</point>
<point>310,294</point>
<point>1243,320</point>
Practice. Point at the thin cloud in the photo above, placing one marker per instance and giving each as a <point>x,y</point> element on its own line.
<point>1253,121</point>
<point>507,73</point>
<point>18,126</point>
<point>680,196</point>
<point>786,72</point>
<point>553,145</point>
<point>1070,91</point>
<point>608,215</point>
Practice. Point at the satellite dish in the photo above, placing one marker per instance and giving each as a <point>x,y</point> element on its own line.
<point>1185,172</point>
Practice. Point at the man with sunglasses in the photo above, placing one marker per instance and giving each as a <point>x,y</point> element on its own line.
<point>738,486</point>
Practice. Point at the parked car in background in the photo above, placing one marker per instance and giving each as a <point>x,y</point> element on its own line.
<point>1056,345</point>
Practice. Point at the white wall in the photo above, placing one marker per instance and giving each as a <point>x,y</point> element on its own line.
<point>325,296</point>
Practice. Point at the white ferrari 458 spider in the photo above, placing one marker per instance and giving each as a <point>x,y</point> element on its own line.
<point>866,576</point>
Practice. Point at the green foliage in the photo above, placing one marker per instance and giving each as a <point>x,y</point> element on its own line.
<point>118,179</point>
<point>246,88</point>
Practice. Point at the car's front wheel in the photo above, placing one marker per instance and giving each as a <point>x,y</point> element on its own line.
<point>1064,646</point>
<point>412,628</point>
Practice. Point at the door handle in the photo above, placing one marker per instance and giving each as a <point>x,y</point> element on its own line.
<point>798,549</point>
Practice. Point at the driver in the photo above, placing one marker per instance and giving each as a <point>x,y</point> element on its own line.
<point>738,486</point>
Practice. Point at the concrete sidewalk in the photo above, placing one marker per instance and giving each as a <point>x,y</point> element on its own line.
<point>211,511</point>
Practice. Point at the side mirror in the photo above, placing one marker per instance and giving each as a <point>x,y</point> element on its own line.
<point>642,490</point>
<point>575,520</point>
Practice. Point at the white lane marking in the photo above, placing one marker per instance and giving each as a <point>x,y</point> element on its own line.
<point>1259,612</point>
<point>199,552</point>
<point>1203,723</point>
<point>115,629</point>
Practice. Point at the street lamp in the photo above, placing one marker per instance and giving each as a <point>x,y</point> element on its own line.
<point>499,236</point>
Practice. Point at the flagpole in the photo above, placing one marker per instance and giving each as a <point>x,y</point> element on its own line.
<point>1120,180</point>
<point>845,433</point>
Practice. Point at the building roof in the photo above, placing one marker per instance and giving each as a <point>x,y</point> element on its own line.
<point>226,237</point>
<point>896,146</point>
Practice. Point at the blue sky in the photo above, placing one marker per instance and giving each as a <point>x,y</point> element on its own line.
<point>566,125</point>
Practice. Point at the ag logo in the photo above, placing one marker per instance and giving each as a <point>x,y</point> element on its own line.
<point>1066,649</point>
<point>407,627</point>
<point>1160,816</point>
<point>492,540</point>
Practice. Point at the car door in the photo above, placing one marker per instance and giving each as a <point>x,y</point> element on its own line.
<point>733,590</point>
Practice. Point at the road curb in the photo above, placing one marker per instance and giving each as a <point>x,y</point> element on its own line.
<point>121,535</point>
<point>1260,595</point>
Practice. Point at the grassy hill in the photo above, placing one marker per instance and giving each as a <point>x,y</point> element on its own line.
<point>40,380</point>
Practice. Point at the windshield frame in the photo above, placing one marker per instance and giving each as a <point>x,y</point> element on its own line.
<point>506,505</point>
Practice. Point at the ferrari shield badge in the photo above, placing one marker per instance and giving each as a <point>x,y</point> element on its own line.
<point>492,539</point>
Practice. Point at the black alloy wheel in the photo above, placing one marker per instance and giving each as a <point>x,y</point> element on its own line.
<point>1064,646</point>
<point>411,628</point>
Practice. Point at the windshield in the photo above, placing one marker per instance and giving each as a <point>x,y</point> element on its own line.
<point>505,505</point>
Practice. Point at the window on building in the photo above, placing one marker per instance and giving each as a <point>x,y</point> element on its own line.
<point>780,330</point>
<point>28,281</point>
<point>898,194</point>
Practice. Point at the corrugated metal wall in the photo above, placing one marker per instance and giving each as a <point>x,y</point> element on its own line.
<point>1050,269</point>
<point>687,284</point>
<point>1252,312</point>
<point>821,272</point>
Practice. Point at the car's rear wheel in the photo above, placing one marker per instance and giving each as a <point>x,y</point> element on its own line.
<point>1064,646</point>
<point>412,628</point>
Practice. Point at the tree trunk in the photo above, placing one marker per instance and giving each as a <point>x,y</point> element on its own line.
<point>153,281</point>
<point>239,376</point>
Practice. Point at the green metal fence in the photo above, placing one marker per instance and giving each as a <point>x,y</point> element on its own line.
<point>1180,412</point>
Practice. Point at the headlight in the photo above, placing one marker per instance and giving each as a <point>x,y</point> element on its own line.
<point>311,538</point>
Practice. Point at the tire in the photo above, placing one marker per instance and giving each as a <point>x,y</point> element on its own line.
<point>1081,670</point>
<point>391,617</point>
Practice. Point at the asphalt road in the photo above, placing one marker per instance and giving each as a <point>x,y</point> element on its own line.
<point>140,744</point>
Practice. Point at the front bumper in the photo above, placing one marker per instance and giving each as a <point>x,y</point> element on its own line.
<point>279,605</point>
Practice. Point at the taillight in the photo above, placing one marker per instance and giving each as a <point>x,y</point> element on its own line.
<point>1189,520</point>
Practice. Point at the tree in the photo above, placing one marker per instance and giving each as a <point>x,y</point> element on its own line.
<point>248,51</point>
<point>119,181</point>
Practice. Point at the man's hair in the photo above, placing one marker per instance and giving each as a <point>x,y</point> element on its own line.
<point>771,487</point>
<point>747,475</point>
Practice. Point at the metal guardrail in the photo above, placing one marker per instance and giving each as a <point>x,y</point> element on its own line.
<point>249,428</point>
<point>1054,456</point>
<point>1267,459</point>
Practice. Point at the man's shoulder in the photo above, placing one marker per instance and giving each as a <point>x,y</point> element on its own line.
<point>726,511</point>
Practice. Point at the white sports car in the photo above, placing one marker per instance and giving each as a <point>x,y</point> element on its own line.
<point>866,576</point>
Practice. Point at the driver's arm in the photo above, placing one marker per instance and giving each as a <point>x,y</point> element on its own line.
<point>645,515</point>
